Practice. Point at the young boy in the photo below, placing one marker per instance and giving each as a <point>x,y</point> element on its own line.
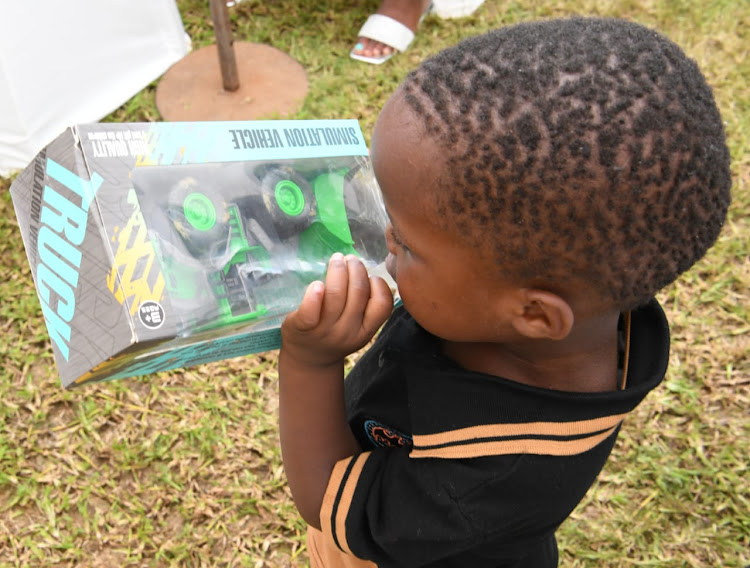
<point>543,182</point>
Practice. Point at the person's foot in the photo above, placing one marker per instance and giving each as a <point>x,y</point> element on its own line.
<point>407,12</point>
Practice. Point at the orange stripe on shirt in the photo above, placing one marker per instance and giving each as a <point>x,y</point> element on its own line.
<point>335,529</point>
<point>329,499</point>
<point>506,447</point>
<point>526,429</point>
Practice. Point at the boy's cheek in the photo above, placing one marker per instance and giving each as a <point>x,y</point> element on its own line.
<point>390,265</point>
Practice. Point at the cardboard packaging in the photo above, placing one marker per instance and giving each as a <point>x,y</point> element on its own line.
<point>156,246</point>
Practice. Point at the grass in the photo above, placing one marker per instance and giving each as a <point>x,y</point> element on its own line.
<point>183,468</point>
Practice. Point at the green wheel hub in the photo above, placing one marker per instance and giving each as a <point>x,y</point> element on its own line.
<point>199,211</point>
<point>290,198</point>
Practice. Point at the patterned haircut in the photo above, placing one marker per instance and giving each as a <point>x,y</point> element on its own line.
<point>587,148</point>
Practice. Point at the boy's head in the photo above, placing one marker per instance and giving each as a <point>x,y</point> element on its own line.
<point>580,154</point>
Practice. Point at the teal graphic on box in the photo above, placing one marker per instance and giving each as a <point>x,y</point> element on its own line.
<point>155,246</point>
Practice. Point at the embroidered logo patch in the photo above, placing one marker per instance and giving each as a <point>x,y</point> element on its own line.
<point>383,436</point>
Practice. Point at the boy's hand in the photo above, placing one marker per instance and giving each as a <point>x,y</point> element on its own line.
<point>333,320</point>
<point>336,318</point>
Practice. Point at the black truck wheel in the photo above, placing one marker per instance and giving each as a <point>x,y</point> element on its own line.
<point>199,216</point>
<point>289,200</point>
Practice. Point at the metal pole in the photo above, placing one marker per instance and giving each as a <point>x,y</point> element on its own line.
<point>223,31</point>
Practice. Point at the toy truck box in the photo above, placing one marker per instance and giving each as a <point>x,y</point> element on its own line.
<point>156,246</point>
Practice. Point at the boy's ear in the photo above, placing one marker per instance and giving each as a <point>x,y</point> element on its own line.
<point>543,315</point>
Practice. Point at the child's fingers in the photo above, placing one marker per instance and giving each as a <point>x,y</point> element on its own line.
<point>359,287</point>
<point>307,316</point>
<point>336,288</point>
<point>380,305</point>
<point>370,301</point>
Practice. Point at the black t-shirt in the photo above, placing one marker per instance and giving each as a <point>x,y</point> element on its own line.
<point>464,469</point>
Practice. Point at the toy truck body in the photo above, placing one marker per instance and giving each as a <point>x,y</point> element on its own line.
<point>240,242</point>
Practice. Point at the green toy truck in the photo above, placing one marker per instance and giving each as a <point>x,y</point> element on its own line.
<point>240,242</point>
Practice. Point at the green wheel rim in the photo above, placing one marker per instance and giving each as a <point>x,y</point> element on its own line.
<point>199,211</point>
<point>290,198</point>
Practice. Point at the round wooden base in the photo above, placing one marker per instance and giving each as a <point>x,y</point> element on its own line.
<point>272,85</point>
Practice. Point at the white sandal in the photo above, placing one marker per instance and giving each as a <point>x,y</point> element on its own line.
<point>386,30</point>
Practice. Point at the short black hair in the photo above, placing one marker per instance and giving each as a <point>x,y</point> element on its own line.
<point>586,147</point>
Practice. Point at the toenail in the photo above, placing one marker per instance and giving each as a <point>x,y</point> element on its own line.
<point>359,47</point>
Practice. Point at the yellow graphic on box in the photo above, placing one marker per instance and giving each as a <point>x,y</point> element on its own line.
<point>151,159</point>
<point>135,276</point>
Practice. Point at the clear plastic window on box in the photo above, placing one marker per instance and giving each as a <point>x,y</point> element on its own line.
<point>238,242</point>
